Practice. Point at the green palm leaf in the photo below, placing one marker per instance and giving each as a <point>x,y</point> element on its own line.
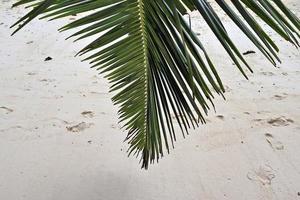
<point>155,63</point>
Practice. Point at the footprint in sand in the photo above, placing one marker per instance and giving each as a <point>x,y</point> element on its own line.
<point>280,121</point>
<point>88,114</point>
<point>6,109</point>
<point>79,127</point>
<point>275,144</point>
<point>264,174</point>
<point>280,97</point>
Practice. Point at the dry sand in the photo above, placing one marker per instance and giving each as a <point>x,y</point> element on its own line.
<point>59,137</point>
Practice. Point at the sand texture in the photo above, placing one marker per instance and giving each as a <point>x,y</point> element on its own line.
<point>60,140</point>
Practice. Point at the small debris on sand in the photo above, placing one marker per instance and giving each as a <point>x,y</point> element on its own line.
<point>48,58</point>
<point>220,117</point>
<point>249,52</point>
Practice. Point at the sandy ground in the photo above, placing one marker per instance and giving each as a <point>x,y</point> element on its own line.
<point>59,137</point>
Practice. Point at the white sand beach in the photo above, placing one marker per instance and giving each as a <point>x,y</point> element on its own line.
<point>60,140</point>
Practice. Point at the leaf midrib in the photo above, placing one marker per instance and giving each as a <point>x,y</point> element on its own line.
<point>145,64</point>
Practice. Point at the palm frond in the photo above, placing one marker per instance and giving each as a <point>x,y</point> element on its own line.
<point>156,64</point>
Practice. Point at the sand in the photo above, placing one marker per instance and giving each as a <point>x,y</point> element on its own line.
<point>59,137</point>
